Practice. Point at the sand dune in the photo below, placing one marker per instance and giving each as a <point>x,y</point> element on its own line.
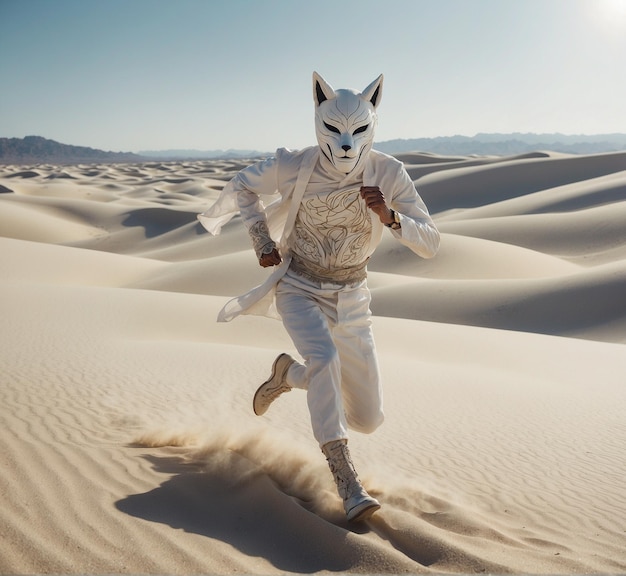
<point>128,444</point>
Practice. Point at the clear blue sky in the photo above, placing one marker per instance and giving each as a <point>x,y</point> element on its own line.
<point>215,74</point>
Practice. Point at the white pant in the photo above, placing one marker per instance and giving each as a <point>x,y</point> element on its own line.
<point>330,326</point>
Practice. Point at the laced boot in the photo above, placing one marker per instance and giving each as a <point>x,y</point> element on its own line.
<point>357,503</point>
<point>274,386</point>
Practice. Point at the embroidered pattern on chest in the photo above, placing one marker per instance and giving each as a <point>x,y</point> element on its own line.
<point>333,229</point>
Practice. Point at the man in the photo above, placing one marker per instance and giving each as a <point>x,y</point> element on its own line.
<point>335,201</point>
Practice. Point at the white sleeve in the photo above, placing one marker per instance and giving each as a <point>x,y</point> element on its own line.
<point>418,231</point>
<point>250,184</point>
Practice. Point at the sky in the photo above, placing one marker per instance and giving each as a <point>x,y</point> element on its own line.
<point>135,75</point>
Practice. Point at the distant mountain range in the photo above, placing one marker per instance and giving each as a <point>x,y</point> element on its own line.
<point>507,144</point>
<point>481,144</point>
<point>34,149</point>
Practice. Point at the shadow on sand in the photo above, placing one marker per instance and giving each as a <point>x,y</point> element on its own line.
<point>255,516</point>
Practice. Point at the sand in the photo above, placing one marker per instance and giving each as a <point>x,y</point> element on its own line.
<point>127,438</point>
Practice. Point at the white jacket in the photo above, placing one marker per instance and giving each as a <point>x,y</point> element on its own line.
<point>287,175</point>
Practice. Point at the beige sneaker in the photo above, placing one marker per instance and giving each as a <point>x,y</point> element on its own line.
<point>274,386</point>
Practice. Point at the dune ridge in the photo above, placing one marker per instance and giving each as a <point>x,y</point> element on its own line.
<point>127,440</point>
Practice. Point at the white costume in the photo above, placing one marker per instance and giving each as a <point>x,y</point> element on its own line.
<point>325,234</point>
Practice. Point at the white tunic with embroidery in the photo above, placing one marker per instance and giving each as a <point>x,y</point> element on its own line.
<point>332,231</point>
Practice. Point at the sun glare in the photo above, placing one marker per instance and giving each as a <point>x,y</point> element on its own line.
<point>614,9</point>
<point>610,16</point>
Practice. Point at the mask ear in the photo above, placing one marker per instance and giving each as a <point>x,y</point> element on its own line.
<point>322,90</point>
<point>374,91</point>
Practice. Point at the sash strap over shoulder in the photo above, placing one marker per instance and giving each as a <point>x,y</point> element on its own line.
<point>304,175</point>
<point>260,300</point>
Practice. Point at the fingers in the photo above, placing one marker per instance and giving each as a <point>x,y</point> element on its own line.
<point>374,199</point>
<point>271,259</point>
<point>367,191</point>
<point>373,196</point>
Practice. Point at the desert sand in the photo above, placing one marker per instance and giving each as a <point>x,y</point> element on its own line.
<point>127,438</point>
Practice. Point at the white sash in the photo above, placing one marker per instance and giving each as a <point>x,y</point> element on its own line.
<point>262,297</point>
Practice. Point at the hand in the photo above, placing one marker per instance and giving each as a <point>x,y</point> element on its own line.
<point>271,259</point>
<point>375,200</point>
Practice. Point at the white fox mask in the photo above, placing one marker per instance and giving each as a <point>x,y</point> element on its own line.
<point>345,121</point>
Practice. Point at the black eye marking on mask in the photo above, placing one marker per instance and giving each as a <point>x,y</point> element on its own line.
<point>332,128</point>
<point>361,129</point>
